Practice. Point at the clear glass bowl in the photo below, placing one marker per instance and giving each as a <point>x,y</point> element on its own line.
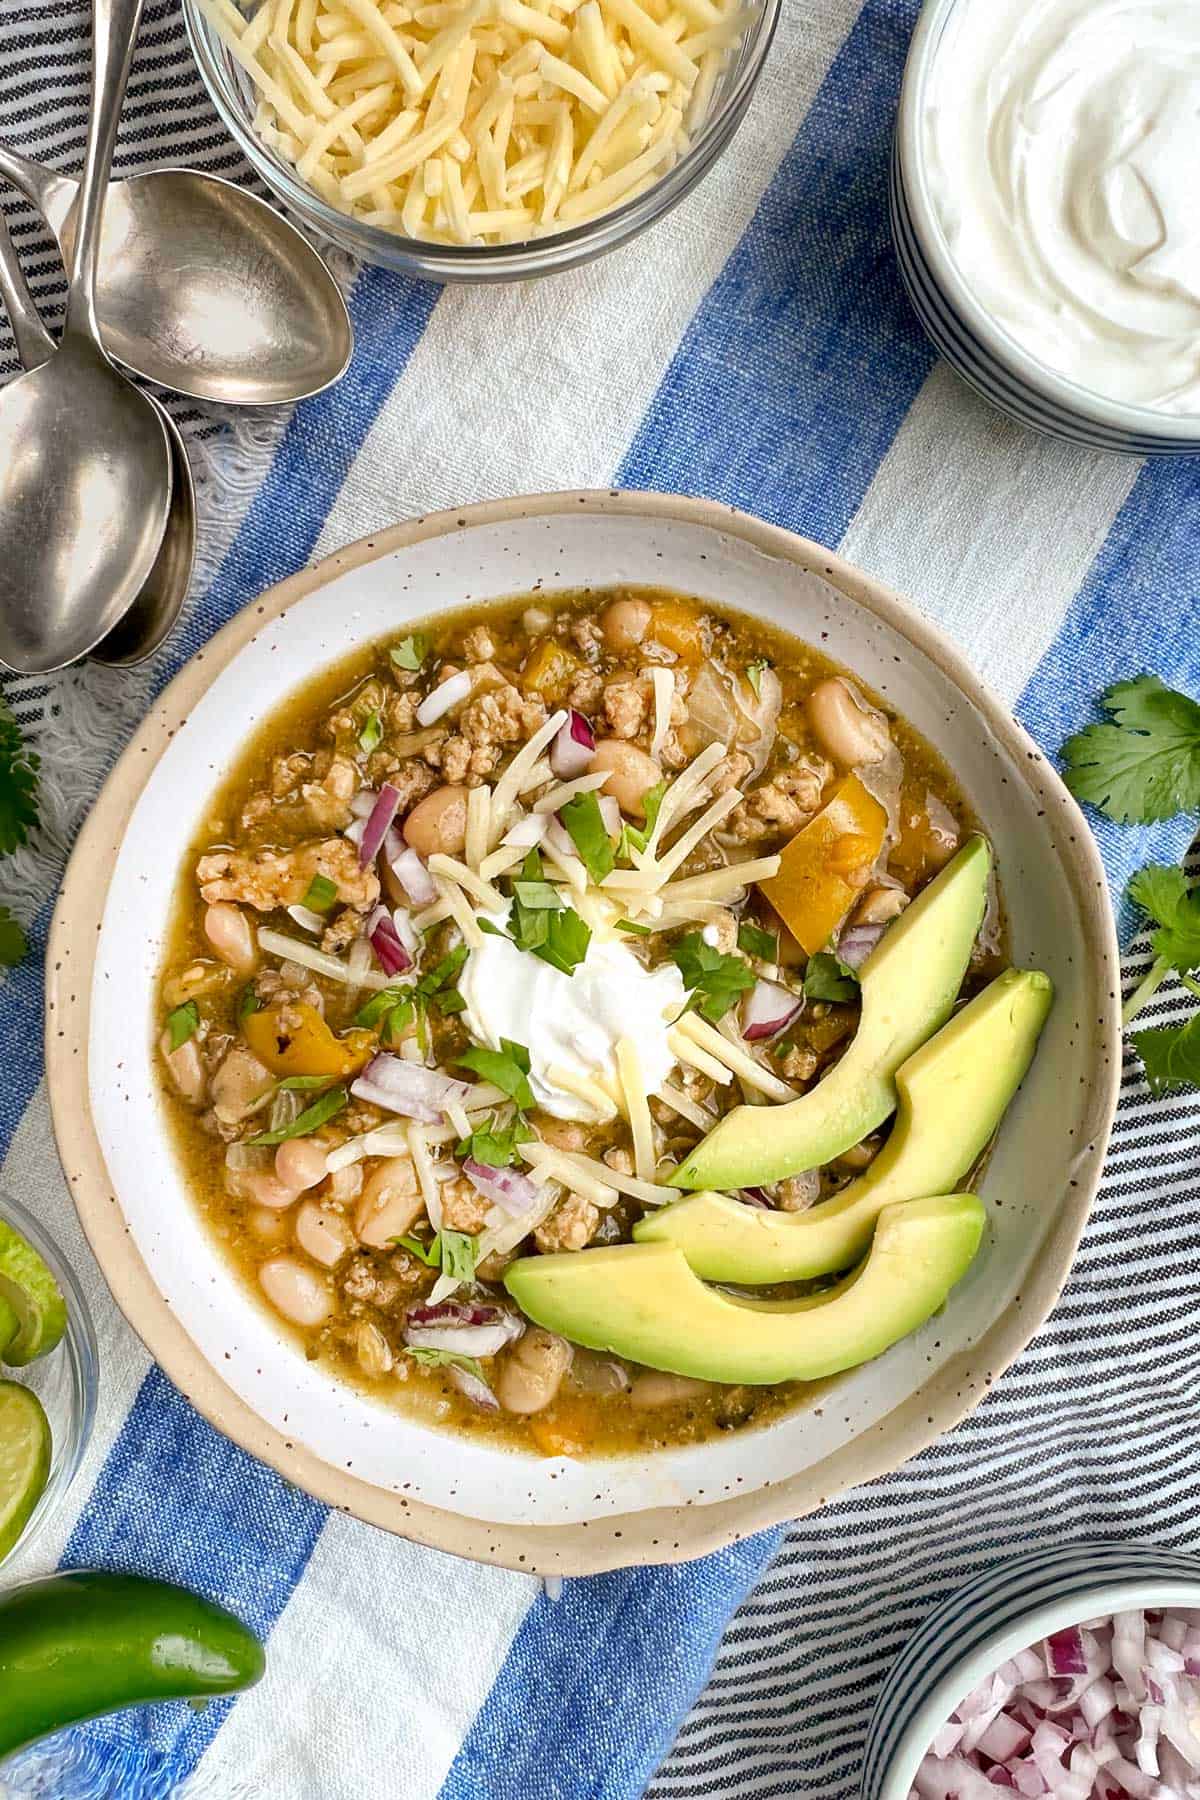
<point>65,1381</point>
<point>234,97</point>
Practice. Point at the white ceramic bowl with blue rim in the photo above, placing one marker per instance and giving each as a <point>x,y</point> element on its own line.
<point>1010,1606</point>
<point>969,338</point>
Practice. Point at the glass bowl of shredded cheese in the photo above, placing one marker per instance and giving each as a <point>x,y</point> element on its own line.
<point>481,140</point>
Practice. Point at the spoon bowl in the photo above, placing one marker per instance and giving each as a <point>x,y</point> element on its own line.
<point>202,287</point>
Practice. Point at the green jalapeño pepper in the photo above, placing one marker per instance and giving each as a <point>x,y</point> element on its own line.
<point>86,1642</point>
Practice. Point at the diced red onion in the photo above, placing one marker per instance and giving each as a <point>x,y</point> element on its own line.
<point>559,838</point>
<point>354,831</point>
<point>363,803</point>
<point>307,919</point>
<point>452,1312</point>
<point>528,832</point>
<point>462,1330</point>
<point>393,958</point>
<point>756,1196</point>
<point>472,1386</point>
<point>413,876</point>
<point>506,1188</point>
<point>447,694</point>
<point>407,1088</point>
<point>573,747</point>
<point>768,1009</point>
<point>376,828</point>
<point>856,944</point>
<point>1112,1718</point>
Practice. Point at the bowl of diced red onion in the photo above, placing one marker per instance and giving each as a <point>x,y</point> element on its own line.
<point>1069,1673</point>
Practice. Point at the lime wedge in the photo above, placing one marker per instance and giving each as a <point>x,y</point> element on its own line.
<point>24,1460</point>
<point>30,1290</point>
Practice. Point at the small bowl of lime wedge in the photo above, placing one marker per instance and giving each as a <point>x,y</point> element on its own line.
<point>48,1376</point>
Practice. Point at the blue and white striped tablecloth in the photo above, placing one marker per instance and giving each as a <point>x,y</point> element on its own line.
<point>755,348</point>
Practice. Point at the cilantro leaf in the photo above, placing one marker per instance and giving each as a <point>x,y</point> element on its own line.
<point>538,896</point>
<point>544,924</point>
<point>443,973</point>
<point>410,652</point>
<point>248,1003</point>
<point>1170,1055</point>
<point>754,674</point>
<point>589,834</point>
<point>756,942</point>
<point>430,1254</point>
<point>494,1148</point>
<point>309,1120</point>
<point>634,928</point>
<point>321,894</point>
<point>18,785</point>
<point>391,1009</point>
<point>12,939</point>
<point>460,1252</point>
<point>503,1069</point>
<point>829,978</point>
<point>183,1023</point>
<point>713,979</point>
<point>301,1084</point>
<point>371,735</point>
<point>1175,907</point>
<point>638,836</point>
<point>433,1359</point>
<point>1146,765</point>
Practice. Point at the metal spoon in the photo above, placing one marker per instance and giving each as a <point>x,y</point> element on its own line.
<point>156,608</point>
<point>85,466</point>
<point>203,287</point>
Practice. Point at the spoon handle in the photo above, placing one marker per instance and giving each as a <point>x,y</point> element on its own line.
<point>34,343</point>
<point>53,195</point>
<point>114,33</point>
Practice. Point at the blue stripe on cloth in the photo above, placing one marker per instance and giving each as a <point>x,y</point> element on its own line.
<point>178,1500</point>
<point>783,397</point>
<point>615,1663</point>
<point>798,369</point>
<point>1138,611</point>
<point>175,1498</point>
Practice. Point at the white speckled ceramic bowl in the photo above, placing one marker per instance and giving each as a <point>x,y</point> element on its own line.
<point>558,1515</point>
<point>1008,1607</point>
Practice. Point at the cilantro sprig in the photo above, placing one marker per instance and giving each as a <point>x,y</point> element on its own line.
<point>713,979</point>
<point>1164,894</point>
<point>1143,764</point>
<point>542,923</point>
<point>1170,1055</point>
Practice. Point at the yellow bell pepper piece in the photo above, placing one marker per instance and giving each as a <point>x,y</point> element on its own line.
<point>548,669</point>
<point>309,1048</point>
<point>812,893</point>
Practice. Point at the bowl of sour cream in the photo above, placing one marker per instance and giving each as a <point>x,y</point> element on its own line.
<point>1045,211</point>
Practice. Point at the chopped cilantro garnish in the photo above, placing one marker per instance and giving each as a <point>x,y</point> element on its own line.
<point>636,837</point>
<point>309,1120</point>
<point>545,926</point>
<point>539,896</point>
<point>460,1252</point>
<point>183,1023</point>
<point>433,1359</point>
<point>754,675</point>
<point>713,979</point>
<point>302,1084</point>
<point>488,928</point>
<point>430,1254</point>
<point>507,1069</point>
<point>497,1149</point>
<point>449,1001</point>
<point>18,785</point>
<point>1145,764</point>
<point>410,653</point>
<point>756,942</point>
<point>589,834</point>
<point>12,939</point>
<point>321,894</point>
<point>1175,908</point>
<point>443,973</point>
<point>249,1003</point>
<point>1170,1055</point>
<point>371,735</point>
<point>827,977</point>
<point>633,926</point>
<point>391,1009</point>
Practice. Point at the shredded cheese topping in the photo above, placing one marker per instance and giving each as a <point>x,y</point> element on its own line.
<point>480,121</point>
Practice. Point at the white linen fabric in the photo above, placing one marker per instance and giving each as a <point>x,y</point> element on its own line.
<point>755,347</point>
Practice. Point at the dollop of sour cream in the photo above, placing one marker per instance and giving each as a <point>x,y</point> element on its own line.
<point>572,1022</point>
<point>1062,146</point>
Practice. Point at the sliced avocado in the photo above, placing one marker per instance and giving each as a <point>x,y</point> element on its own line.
<point>909,984</point>
<point>642,1301</point>
<point>953,1094</point>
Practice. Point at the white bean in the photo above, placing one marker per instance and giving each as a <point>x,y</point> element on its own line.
<point>295,1290</point>
<point>300,1163</point>
<point>844,727</point>
<point>625,623</point>
<point>390,1204</point>
<point>322,1234</point>
<point>530,1374</point>
<point>631,774</point>
<point>231,935</point>
<point>437,825</point>
<point>653,1387</point>
<point>268,1225</point>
